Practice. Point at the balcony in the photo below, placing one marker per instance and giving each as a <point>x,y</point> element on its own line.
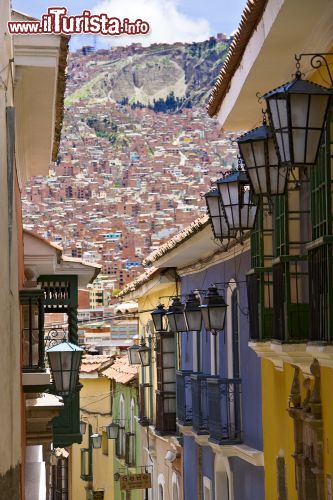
<point>320,290</point>
<point>184,397</point>
<point>224,410</point>
<point>144,390</point>
<point>165,412</point>
<point>199,403</point>
<point>291,299</point>
<point>260,300</point>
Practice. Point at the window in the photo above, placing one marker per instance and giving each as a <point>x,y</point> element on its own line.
<point>207,489</point>
<point>120,443</point>
<point>175,487</point>
<point>161,485</point>
<point>223,478</point>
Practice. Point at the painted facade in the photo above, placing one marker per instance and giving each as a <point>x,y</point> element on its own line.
<point>158,433</point>
<point>29,138</point>
<point>291,267</point>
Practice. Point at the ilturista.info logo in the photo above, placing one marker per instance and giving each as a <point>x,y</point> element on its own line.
<point>56,21</point>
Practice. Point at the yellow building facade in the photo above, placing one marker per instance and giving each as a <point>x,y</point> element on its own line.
<point>95,399</point>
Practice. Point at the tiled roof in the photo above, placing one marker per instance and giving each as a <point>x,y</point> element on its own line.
<point>92,363</point>
<point>121,371</point>
<point>140,280</point>
<point>178,239</point>
<point>251,16</point>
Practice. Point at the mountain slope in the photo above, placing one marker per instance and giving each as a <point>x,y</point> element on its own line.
<point>147,74</point>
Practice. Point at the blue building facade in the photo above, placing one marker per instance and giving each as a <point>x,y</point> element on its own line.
<point>219,392</point>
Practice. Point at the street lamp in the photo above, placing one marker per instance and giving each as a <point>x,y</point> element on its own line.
<point>158,317</point>
<point>133,355</point>
<point>112,430</point>
<point>192,313</point>
<point>214,310</point>
<point>239,209</point>
<point>297,112</point>
<point>175,315</point>
<point>64,360</point>
<point>83,427</point>
<point>257,148</point>
<point>144,353</point>
<point>216,215</point>
<point>96,440</point>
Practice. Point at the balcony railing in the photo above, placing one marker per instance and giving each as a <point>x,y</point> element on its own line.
<point>199,403</point>
<point>165,412</point>
<point>224,410</point>
<point>290,297</point>
<point>184,397</point>
<point>143,406</point>
<point>260,300</point>
<point>320,290</point>
<point>36,343</point>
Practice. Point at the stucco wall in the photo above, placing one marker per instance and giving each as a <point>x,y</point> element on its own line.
<point>10,413</point>
<point>231,270</point>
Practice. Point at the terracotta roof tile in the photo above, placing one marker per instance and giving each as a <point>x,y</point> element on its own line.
<point>178,239</point>
<point>251,16</point>
<point>140,280</point>
<point>93,363</point>
<point>121,371</point>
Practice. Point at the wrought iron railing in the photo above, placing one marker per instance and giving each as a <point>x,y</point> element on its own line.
<point>165,412</point>
<point>199,403</point>
<point>321,291</point>
<point>224,410</point>
<point>291,298</point>
<point>184,397</point>
<point>260,303</point>
<point>144,419</point>
<point>36,343</point>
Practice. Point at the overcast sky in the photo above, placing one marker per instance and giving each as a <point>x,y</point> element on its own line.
<point>170,20</point>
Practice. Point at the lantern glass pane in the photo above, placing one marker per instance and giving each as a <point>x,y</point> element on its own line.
<point>145,357</point>
<point>217,316</point>
<point>180,322</point>
<point>318,106</point>
<point>259,153</point>
<point>214,206</point>
<point>299,137</point>
<point>112,431</point>
<point>193,320</point>
<point>172,323</point>
<point>313,144</point>
<point>205,318</point>
<point>299,106</point>
<point>158,321</point>
<point>247,154</point>
<point>133,355</point>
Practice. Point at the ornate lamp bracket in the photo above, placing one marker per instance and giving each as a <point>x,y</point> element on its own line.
<point>317,61</point>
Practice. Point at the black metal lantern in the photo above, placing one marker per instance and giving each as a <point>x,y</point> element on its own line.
<point>257,148</point>
<point>175,315</point>
<point>158,317</point>
<point>192,313</point>
<point>219,224</point>
<point>239,209</point>
<point>64,360</point>
<point>112,430</point>
<point>133,355</point>
<point>144,353</point>
<point>297,112</point>
<point>83,427</point>
<point>214,310</point>
<point>96,440</point>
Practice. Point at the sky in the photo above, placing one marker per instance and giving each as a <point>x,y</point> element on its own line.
<point>170,20</point>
